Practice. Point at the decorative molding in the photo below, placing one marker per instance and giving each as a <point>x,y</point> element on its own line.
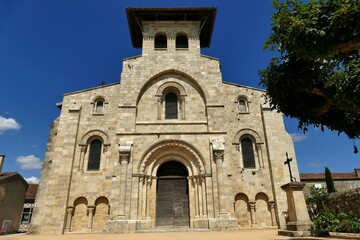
<point>248,132</point>
<point>94,133</point>
<point>168,146</point>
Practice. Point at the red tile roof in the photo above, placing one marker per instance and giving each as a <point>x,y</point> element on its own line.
<point>321,176</point>
<point>31,191</point>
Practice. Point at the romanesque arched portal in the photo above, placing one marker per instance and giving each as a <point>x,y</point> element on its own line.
<point>172,185</point>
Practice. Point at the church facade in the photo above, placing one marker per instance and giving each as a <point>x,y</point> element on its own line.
<point>172,145</point>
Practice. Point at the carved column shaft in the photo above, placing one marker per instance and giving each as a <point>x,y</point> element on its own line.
<point>69,211</point>
<point>252,212</point>
<point>148,184</point>
<point>258,151</point>
<point>182,106</point>
<point>272,211</point>
<point>159,106</point>
<point>219,156</point>
<point>90,216</point>
<point>203,187</point>
<point>200,193</point>
<point>82,156</point>
<point>124,160</point>
<point>196,193</point>
<point>140,199</point>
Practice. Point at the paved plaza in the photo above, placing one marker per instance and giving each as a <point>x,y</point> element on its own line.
<point>252,234</point>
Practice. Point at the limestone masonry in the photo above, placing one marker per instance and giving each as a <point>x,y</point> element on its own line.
<point>171,145</point>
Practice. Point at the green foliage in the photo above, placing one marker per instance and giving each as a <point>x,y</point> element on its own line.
<point>315,200</point>
<point>316,78</point>
<point>329,181</point>
<point>326,221</point>
<point>342,222</point>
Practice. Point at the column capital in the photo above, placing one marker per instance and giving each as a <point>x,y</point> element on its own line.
<point>83,148</point>
<point>252,205</point>
<point>91,209</point>
<point>125,150</point>
<point>272,204</point>
<point>218,146</point>
<point>219,155</point>
<point>69,209</point>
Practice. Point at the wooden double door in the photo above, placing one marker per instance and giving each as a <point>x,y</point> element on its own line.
<point>172,202</point>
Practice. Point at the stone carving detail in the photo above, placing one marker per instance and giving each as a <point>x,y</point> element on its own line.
<point>125,150</point>
<point>167,145</point>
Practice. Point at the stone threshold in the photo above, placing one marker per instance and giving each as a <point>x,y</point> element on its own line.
<point>175,229</point>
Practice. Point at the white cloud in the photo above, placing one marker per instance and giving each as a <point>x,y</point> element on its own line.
<point>32,180</point>
<point>8,124</point>
<point>314,163</point>
<point>298,137</point>
<point>28,162</point>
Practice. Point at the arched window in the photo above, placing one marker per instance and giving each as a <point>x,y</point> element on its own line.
<point>160,41</point>
<point>99,106</point>
<point>247,150</point>
<point>242,106</point>
<point>171,106</point>
<point>94,155</point>
<point>182,41</point>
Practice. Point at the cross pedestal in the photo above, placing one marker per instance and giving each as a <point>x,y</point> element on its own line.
<point>299,222</point>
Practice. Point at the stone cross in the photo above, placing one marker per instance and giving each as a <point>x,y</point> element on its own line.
<point>288,160</point>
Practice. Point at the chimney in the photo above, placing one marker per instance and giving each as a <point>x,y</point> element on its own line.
<point>357,171</point>
<point>2,159</point>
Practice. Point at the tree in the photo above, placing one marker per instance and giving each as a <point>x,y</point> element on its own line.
<point>329,181</point>
<point>315,200</point>
<point>316,77</point>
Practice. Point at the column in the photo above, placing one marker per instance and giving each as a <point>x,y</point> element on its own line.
<point>182,106</point>
<point>69,211</point>
<point>124,159</point>
<point>82,156</point>
<point>259,153</point>
<point>204,202</point>
<point>124,154</point>
<point>145,196</point>
<point>159,107</point>
<point>196,193</point>
<point>272,211</point>
<point>140,191</point>
<point>90,216</point>
<point>201,207</point>
<point>104,160</point>
<point>148,184</point>
<point>219,156</point>
<point>252,213</point>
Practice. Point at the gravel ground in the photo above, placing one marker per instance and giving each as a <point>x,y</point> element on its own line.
<point>253,234</point>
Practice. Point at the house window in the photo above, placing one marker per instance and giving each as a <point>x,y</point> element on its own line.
<point>94,155</point>
<point>99,106</point>
<point>182,41</point>
<point>26,216</point>
<point>171,106</point>
<point>247,149</point>
<point>161,41</point>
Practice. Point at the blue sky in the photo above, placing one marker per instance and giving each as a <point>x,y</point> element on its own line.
<point>52,47</point>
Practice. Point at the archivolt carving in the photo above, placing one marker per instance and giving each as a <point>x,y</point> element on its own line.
<point>172,150</point>
<point>95,133</point>
<point>201,87</point>
<point>247,131</point>
<point>166,85</point>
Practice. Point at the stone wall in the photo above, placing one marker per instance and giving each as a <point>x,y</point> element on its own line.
<point>344,202</point>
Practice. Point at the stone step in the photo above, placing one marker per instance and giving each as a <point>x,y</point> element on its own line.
<point>173,229</point>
